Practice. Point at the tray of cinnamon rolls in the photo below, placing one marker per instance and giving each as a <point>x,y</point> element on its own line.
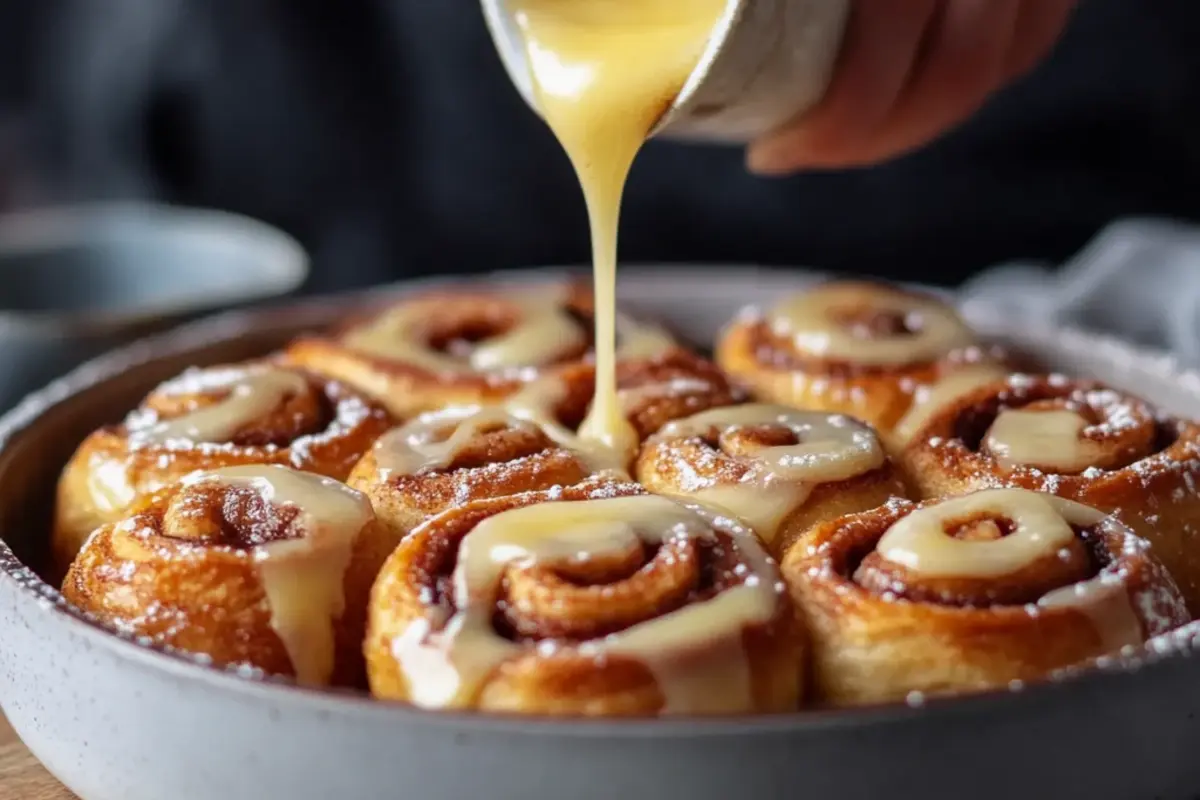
<point>848,510</point>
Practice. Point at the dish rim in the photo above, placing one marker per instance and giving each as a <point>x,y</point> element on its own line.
<point>1154,657</point>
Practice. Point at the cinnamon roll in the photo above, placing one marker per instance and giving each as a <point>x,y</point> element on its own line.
<point>1078,440</point>
<point>881,354</point>
<point>452,457</point>
<point>657,390</point>
<point>443,349</point>
<point>255,565</point>
<point>778,470</point>
<point>972,593</point>
<point>654,387</point>
<point>586,602</point>
<point>255,413</point>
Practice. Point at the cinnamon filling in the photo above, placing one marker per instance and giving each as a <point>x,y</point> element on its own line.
<point>629,576</point>
<point>589,598</point>
<point>651,390</point>
<point>656,391</point>
<point>981,529</point>
<point>1073,563</point>
<point>239,517</point>
<point>749,441</point>
<point>298,414</point>
<point>300,417</point>
<point>495,444</point>
<point>458,342</point>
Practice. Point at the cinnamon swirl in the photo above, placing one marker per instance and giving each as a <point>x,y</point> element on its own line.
<point>1078,440</point>
<point>249,565</point>
<point>457,456</point>
<point>778,470</point>
<point>657,390</point>
<point>654,387</point>
<point>589,601</point>
<point>255,413</point>
<point>443,349</point>
<point>881,354</point>
<point>972,593</point>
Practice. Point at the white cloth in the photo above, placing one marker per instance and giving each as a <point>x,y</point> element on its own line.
<point>1139,280</point>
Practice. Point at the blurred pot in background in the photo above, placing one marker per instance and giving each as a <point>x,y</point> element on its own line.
<point>77,281</point>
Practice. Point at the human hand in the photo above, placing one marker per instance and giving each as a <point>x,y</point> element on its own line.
<point>909,71</point>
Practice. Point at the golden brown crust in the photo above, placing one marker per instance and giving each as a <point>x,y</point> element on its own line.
<point>180,570</point>
<point>571,607</point>
<point>880,632</point>
<point>448,321</point>
<point>323,429</point>
<point>509,458</point>
<point>775,368</point>
<point>686,465</point>
<point>1148,476</point>
<point>186,573</point>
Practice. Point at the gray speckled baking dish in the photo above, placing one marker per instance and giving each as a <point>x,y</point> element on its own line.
<point>117,721</point>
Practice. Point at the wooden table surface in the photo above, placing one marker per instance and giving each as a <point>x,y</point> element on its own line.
<point>21,776</point>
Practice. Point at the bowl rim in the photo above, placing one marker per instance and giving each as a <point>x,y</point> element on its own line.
<point>1154,657</point>
<point>283,263</point>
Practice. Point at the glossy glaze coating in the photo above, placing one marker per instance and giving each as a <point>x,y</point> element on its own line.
<point>338,746</point>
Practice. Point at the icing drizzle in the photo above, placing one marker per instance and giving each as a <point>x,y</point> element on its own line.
<point>542,333</point>
<point>251,393</point>
<point>829,448</point>
<point>303,577</point>
<point>930,328</point>
<point>447,667</point>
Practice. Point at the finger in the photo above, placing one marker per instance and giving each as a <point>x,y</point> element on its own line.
<point>877,55</point>
<point>1039,27</point>
<point>964,61</point>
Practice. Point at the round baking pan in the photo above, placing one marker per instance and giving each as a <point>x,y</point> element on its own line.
<point>116,720</point>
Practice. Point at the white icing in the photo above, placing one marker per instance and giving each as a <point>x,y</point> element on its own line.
<point>809,320</point>
<point>447,668</point>
<point>303,577</point>
<point>920,541</point>
<point>543,332</point>
<point>830,448</point>
<point>252,393</point>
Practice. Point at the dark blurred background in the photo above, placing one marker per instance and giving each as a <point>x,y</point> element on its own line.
<point>384,134</point>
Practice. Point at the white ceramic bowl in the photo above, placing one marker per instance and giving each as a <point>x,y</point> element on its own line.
<point>117,721</point>
<point>76,281</point>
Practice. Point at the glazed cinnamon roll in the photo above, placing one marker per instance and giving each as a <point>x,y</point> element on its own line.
<point>255,413</point>
<point>443,349</point>
<point>1079,440</point>
<point>457,456</point>
<point>881,354</point>
<point>778,470</point>
<point>972,593</point>
<point>585,602</point>
<point>654,387</point>
<point>657,390</point>
<point>254,565</point>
